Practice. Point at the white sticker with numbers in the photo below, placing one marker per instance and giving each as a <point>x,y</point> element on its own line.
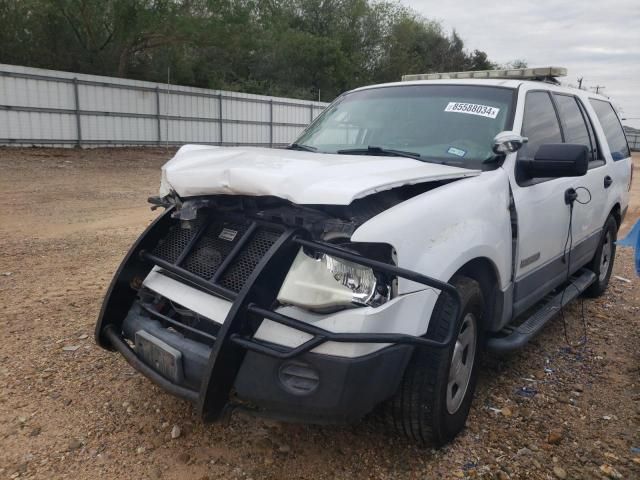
<point>473,109</point>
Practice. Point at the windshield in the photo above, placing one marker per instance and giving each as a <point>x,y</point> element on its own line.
<point>452,124</point>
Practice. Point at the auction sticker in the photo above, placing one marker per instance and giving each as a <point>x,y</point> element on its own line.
<point>456,151</point>
<point>472,109</point>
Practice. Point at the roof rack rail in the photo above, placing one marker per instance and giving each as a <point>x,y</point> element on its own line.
<point>548,74</point>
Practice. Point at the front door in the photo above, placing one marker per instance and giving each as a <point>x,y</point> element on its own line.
<point>543,217</point>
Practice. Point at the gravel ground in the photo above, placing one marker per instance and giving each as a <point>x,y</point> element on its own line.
<point>71,410</point>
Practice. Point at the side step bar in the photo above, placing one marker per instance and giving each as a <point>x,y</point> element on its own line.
<point>513,337</point>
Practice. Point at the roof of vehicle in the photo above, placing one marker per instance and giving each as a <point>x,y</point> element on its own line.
<point>541,78</point>
<point>497,82</point>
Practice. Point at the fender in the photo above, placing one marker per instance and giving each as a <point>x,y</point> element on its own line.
<point>438,232</point>
<point>619,192</point>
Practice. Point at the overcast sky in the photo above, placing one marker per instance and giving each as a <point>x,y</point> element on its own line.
<point>599,40</point>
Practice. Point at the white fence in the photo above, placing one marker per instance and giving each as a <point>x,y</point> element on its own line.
<point>52,108</point>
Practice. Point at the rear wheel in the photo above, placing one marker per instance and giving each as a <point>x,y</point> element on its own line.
<point>434,398</point>
<point>602,263</point>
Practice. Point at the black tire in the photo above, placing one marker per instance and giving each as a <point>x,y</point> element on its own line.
<point>419,408</point>
<point>608,242</point>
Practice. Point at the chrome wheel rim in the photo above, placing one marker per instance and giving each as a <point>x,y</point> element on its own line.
<point>605,256</point>
<point>464,353</point>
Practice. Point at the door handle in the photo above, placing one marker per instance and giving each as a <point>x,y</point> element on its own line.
<point>607,181</point>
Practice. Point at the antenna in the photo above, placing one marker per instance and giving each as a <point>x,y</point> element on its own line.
<point>580,79</point>
<point>597,88</point>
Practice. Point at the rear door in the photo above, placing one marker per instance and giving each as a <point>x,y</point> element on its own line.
<point>618,154</point>
<point>589,212</point>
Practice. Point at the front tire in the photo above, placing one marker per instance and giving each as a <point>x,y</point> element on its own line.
<point>434,397</point>
<point>602,263</point>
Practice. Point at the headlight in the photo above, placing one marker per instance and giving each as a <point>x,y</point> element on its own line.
<point>328,282</point>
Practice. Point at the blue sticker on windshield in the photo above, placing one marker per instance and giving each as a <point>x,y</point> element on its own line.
<point>457,151</point>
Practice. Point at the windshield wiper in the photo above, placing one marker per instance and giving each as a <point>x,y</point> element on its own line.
<point>300,146</point>
<point>373,150</point>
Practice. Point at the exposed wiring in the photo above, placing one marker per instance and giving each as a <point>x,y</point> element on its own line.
<point>571,196</point>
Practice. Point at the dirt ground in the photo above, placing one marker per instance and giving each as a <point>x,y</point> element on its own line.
<point>71,410</point>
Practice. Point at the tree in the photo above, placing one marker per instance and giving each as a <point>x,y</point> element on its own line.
<point>478,60</point>
<point>278,47</point>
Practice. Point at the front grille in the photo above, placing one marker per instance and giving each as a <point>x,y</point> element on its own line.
<point>241,267</point>
<point>170,247</point>
<point>203,252</point>
<point>211,249</point>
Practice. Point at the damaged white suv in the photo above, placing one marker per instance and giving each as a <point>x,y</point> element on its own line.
<point>367,265</point>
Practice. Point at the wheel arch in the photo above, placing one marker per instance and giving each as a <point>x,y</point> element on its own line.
<point>485,272</point>
<point>616,213</point>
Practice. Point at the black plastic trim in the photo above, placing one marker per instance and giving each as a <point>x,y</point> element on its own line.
<point>347,388</point>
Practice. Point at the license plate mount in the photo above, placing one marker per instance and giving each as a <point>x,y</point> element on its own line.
<point>160,356</point>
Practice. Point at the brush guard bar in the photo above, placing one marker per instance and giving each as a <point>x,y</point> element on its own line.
<point>249,308</point>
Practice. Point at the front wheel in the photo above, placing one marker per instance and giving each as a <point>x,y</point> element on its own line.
<point>602,263</point>
<point>434,398</point>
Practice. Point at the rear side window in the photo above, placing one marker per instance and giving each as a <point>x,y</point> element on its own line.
<point>597,153</point>
<point>574,126</point>
<point>539,125</point>
<point>612,129</point>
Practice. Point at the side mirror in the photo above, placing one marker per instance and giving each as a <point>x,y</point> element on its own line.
<point>507,142</point>
<point>554,160</point>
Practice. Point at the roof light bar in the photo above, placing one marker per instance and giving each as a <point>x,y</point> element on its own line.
<point>515,73</point>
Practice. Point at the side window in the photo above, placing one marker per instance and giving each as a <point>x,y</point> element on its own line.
<point>574,128</point>
<point>539,125</point>
<point>612,129</point>
<point>597,153</point>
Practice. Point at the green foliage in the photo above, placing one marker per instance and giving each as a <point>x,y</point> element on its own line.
<point>292,48</point>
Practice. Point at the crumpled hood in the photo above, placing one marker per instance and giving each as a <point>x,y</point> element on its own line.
<point>300,177</point>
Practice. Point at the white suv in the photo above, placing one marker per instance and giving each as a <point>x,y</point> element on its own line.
<point>368,264</point>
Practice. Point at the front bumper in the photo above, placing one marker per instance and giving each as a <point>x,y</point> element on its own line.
<point>234,359</point>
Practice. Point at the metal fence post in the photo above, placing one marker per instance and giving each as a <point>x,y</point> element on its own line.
<point>158,115</point>
<point>220,118</point>
<point>77,105</point>
<point>271,123</point>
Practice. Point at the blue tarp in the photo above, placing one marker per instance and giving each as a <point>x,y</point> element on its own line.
<point>633,240</point>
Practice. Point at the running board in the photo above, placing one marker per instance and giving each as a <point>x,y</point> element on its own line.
<point>514,337</point>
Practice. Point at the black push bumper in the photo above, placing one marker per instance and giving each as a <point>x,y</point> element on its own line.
<point>344,388</point>
<point>311,387</point>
